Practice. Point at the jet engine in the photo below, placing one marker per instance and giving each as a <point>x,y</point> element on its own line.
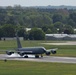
<point>53,51</point>
<point>9,52</point>
<point>21,53</point>
<point>48,53</point>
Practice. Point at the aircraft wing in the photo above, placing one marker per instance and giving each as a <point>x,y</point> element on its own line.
<point>54,49</point>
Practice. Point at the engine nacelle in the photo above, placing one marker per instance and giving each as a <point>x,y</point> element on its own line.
<point>9,52</point>
<point>48,53</point>
<point>21,53</point>
<point>53,51</point>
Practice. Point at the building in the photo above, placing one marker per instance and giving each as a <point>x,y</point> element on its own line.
<point>60,37</point>
<point>11,38</point>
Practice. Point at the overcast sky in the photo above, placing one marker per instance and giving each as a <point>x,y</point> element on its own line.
<point>37,2</point>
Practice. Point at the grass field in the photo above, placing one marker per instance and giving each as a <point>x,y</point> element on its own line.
<point>36,68</point>
<point>62,50</point>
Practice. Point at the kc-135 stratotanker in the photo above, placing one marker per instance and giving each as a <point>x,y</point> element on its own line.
<point>24,52</point>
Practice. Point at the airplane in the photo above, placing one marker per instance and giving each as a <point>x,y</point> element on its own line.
<point>24,52</point>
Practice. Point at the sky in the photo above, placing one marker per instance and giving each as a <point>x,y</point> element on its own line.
<point>37,2</point>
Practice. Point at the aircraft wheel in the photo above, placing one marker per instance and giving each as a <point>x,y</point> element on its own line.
<point>36,56</point>
<point>41,55</point>
<point>25,56</point>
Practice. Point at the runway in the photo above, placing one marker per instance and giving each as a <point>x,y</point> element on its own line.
<point>44,59</point>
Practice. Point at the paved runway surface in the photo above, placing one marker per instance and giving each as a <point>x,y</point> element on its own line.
<point>44,59</point>
<point>63,43</point>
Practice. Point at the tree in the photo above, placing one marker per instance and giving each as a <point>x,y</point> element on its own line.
<point>68,30</point>
<point>22,33</point>
<point>72,23</point>
<point>26,36</point>
<point>59,26</point>
<point>8,30</point>
<point>44,28</point>
<point>73,16</point>
<point>1,32</point>
<point>57,18</point>
<point>48,31</point>
<point>36,34</point>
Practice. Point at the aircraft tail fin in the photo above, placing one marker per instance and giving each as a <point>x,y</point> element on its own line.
<point>18,41</point>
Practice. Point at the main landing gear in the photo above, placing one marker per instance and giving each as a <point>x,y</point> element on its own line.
<point>36,56</point>
<point>41,55</point>
<point>26,56</point>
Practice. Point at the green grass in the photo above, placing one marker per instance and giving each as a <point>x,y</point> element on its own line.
<point>62,50</point>
<point>36,68</point>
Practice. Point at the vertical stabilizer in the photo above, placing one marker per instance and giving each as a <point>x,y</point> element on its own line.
<point>18,41</point>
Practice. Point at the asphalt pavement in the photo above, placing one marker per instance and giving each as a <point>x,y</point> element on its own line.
<point>41,59</point>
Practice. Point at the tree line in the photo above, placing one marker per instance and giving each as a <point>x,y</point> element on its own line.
<point>49,20</point>
<point>10,31</point>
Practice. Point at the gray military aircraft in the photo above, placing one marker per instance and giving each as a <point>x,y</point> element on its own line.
<point>23,52</point>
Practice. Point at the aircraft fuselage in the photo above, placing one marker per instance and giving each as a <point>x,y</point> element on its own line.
<point>32,50</point>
